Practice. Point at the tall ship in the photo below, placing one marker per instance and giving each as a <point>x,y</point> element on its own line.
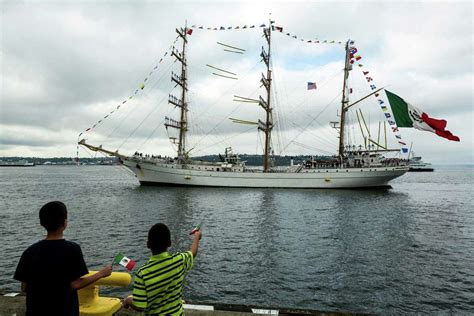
<point>367,165</point>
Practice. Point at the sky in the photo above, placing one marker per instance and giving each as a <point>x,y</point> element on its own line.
<point>65,65</point>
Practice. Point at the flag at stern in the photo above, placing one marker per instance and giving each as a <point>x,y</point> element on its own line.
<point>406,115</point>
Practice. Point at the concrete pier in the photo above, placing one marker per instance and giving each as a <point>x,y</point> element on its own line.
<point>15,305</point>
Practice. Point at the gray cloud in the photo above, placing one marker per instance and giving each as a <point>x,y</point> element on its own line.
<point>66,66</point>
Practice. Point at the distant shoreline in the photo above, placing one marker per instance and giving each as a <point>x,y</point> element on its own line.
<point>252,160</point>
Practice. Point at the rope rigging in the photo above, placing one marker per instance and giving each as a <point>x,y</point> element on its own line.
<point>285,117</point>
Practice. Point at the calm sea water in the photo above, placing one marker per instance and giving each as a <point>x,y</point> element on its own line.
<point>405,250</point>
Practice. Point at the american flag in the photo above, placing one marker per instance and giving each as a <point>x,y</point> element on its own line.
<point>311,85</point>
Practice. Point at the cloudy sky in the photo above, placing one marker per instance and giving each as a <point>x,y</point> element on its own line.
<point>65,65</point>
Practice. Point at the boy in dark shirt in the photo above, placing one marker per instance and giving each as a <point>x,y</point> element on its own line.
<point>51,270</point>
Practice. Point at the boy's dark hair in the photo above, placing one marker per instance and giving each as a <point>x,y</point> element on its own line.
<point>159,238</point>
<point>52,215</point>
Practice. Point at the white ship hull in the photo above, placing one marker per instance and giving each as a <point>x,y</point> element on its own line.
<point>149,173</point>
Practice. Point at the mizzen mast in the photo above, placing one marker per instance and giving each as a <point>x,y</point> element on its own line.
<point>266,81</point>
<point>180,102</point>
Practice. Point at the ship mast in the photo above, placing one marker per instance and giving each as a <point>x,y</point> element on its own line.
<point>266,126</point>
<point>181,80</point>
<point>344,101</point>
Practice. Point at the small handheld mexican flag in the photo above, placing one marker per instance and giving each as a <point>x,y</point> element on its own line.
<point>195,229</point>
<point>128,263</point>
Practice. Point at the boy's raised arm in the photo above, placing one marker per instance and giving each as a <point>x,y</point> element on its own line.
<point>82,282</point>
<point>195,245</point>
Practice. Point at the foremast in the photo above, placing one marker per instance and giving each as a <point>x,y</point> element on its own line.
<point>266,81</point>
<point>345,100</point>
<point>180,80</point>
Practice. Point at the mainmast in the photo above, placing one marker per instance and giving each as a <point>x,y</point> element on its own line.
<point>266,126</point>
<point>181,102</point>
<point>344,101</point>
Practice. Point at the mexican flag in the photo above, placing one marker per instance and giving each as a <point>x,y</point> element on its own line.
<point>128,263</point>
<point>406,115</point>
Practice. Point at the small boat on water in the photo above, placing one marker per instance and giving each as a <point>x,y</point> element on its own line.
<point>18,163</point>
<point>418,165</point>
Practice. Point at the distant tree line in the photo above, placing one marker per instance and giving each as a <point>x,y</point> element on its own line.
<point>63,160</point>
<point>250,160</point>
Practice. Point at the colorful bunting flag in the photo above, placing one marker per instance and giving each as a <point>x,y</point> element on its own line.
<point>311,85</point>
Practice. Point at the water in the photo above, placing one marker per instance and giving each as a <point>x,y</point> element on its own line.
<point>404,250</point>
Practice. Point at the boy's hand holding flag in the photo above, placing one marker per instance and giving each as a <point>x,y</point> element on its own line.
<point>128,263</point>
<point>195,229</point>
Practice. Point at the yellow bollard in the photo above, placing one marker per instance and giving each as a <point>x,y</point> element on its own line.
<point>91,304</point>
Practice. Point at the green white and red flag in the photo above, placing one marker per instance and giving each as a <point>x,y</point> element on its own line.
<point>128,263</point>
<point>195,229</point>
<point>406,115</point>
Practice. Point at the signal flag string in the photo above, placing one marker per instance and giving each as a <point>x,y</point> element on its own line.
<point>139,89</point>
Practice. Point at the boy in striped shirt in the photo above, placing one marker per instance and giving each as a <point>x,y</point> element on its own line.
<point>158,287</point>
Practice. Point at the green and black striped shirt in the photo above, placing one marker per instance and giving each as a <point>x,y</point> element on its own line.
<point>158,287</point>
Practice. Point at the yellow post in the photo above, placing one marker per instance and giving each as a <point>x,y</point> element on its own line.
<point>91,304</point>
